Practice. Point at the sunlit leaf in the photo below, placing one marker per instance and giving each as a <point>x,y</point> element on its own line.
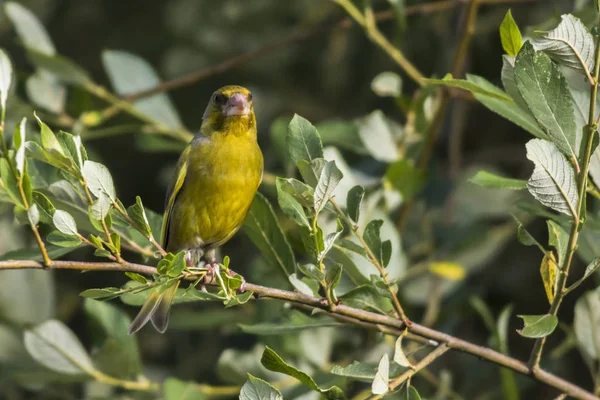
<point>303,141</point>
<point>510,35</point>
<point>64,222</point>
<point>328,180</point>
<point>257,389</point>
<point>545,90</point>
<point>5,78</point>
<point>129,73</point>
<point>553,179</point>
<point>55,346</point>
<point>273,362</point>
<point>387,84</point>
<point>382,377</point>
<point>570,44</point>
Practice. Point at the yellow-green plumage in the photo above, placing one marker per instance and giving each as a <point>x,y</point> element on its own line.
<point>212,188</point>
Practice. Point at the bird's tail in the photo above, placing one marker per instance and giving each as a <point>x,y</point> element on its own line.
<point>156,308</point>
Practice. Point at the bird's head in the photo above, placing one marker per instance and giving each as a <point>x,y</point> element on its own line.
<point>229,107</point>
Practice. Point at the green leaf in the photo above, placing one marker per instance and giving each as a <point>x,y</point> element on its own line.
<point>372,237</point>
<point>356,370</point>
<point>404,177</point>
<point>174,389</point>
<point>100,208</point>
<point>545,90</point>
<point>377,135</point>
<point>303,141</point>
<point>587,319</point>
<point>99,180</point>
<point>45,91</point>
<point>471,86</point>
<point>510,35</point>
<point>328,180</point>
<point>129,73</point>
<point>290,206</point>
<point>312,271</point>
<point>311,171</point>
<point>570,44</point>
<point>273,362</point>
<point>257,389</point>
<point>50,143</point>
<point>27,297</point>
<point>353,202</point>
<point>9,181</point>
<point>5,78</point>
<point>73,147</point>
<point>507,109</point>
<point>35,254</point>
<point>63,240</point>
<point>295,322</point>
<point>559,239</point>
<point>238,299</point>
<point>382,377</point>
<point>56,347</point>
<point>366,297</point>
<point>303,193</point>
<point>305,285</point>
<point>553,179</point>
<point>121,348</point>
<point>334,275</point>
<point>138,215</point>
<point>537,326</point>
<point>62,68</point>
<point>387,84</point>
<point>101,294</point>
<point>32,33</point>
<point>412,394</point>
<point>45,207</point>
<point>262,228</point>
<point>488,180</point>
<point>136,277</point>
<point>525,237</point>
<point>64,222</point>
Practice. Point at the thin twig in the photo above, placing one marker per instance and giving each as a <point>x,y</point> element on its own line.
<point>375,262</point>
<point>561,291</point>
<point>428,359</point>
<point>368,23</point>
<point>354,313</point>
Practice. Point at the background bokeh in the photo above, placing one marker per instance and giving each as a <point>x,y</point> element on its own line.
<point>324,78</point>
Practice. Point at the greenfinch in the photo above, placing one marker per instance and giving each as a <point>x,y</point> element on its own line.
<point>211,191</point>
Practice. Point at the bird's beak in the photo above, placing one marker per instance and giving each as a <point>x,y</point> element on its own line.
<point>237,104</point>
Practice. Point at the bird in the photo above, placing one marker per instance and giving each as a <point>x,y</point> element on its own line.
<point>210,193</point>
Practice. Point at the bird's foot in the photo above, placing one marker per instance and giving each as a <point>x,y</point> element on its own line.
<point>211,272</point>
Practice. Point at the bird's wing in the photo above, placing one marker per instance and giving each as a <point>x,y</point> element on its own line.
<point>174,189</point>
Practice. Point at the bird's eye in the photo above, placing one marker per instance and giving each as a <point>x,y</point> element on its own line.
<point>249,96</point>
<point>219,99</point>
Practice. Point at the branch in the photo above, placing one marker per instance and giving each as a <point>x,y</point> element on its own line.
<point>365,317</point>
<point>368,22</point>
<point>561,286</point>
<point>295,38</point>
